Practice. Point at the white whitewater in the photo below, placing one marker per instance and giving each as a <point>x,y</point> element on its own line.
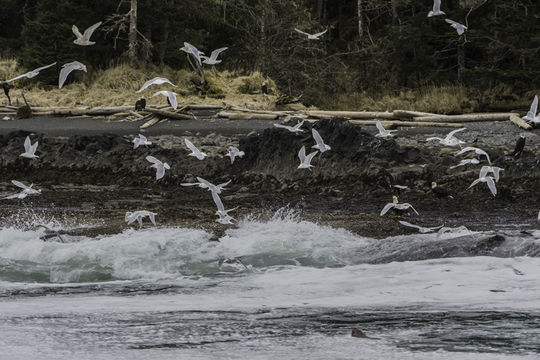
<point>160,292</point>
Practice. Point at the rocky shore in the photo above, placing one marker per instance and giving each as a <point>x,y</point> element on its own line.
<point>95,176</point>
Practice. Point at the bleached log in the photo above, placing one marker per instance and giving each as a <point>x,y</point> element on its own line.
<point>388,124</point>
<point>410,114</point>
<point>520,122</point>
<point>168,114</point>
<point>352,114</point>
<point>154,120</point>
<point>466,117</point>
<point>136,114</point>
<point>203,107</point>
<point>246,116</point>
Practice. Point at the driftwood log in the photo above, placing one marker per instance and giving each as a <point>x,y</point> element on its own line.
<point>246,116</point>
<point>407,114</point>
<point>168,114</point>
<point>389,124</point>
<point>520,122</point>
<point>466,117</point>
<point>366,115</point>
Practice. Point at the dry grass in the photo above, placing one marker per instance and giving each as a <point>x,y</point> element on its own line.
<point>118,85</point>
<point>444,100</point>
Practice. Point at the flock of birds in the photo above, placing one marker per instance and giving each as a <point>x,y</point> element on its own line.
<point>488,174</point>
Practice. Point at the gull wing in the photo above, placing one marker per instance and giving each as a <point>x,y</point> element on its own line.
<point>302,154</point>
<point>191,147</point>
<point>404,223</point>
<point>172,99</point>
<point>215,53</point>
<point>310,157</point>
<point>27,144</point>
<point>160,171</point>
<point>222,186</point>
<point>190,49</point>
<point>20,184</point>
<point>491,185</point>
<point>153,160</point>
<point>136,143</point>
<point>88,32</point>
<point>452,23</point>
<point>386,208</point>
<point>321,33</point>
<point>67,69</point>
<point>484,171</point>
<point>18,77</point>
<point>534,108</point>
<point>436,6</point>
<point>452,133</point>
<point>156,80</point>
<point>297,126</point>
<point>409,205</point>
<point>496,172</point>
<point>474,183</point>
<point>283,127</point>
<point>33,148</point>
<point>301,32</point>
<point>44,67</point>
<point>206,183</point>
<point>152,217</point>
<point>76,31</point>
<point>142,138</point>
<point>381,128</point>
<point>466,149</point>
<point>190,184</point>
<point>218,202</point>
<point>318,139</point>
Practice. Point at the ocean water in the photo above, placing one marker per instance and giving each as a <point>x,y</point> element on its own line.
<point>161,293</point>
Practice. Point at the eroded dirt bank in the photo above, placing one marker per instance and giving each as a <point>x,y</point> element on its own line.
<point>100,177</point>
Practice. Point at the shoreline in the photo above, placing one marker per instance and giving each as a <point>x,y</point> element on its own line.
<point>93,159</point>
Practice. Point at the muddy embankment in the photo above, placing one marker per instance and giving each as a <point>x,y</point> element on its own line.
<point>356,176</point>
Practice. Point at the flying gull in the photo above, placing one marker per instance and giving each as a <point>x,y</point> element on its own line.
<point>398,206</point>
<point>160,166</point>
<point>436,9</point>
<point>67,69</point>
<point>139,215</point>
<point>487,179</point>
<point>311,36</point>
<point>27,190</point>
<point>321,146</point>
<point>194,151</point>
<point>460,28</point>
<point>213,59</point>
<point>476,150</point>
<point>29,149</point>
<point>171,97</point>
<point>382,131</point>
<point>294,129</point>
<point>84,39</point>
<point>234,152</point>
<point>491,169</point>
<point>531,115</point>
<point>466,162</point>
<point>141,140</point>
<point>193,51</point>
<point>224,217</point>
<point>155,81</point>
<point>449,139</point>
<point>305,161</point>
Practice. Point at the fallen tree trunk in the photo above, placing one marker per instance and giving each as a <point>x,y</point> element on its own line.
<point>520,122</point>
<point>466,117</point>
<point>168,114</point>
<point>203,107</point>
<point>246,116</point>
<point>367,115</point>
<point>410,114</point>
<point>387,124</point>
<point>150,122</point>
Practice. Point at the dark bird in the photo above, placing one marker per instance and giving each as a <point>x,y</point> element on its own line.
<point>6,88</point>
<point>264,88</point>
<point>140,104</point>
<point>520,144</point>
